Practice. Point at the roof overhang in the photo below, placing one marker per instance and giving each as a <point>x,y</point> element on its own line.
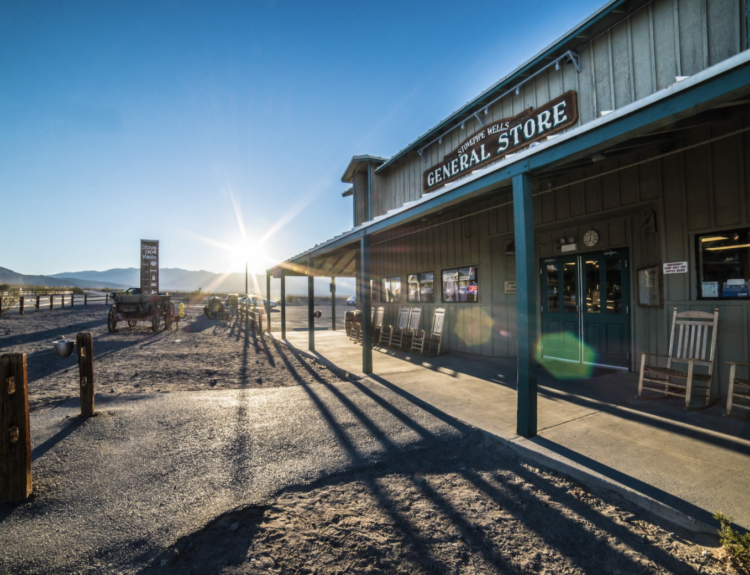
<point>712,87</point>
<point>356,163</point>
<point>602,18</point>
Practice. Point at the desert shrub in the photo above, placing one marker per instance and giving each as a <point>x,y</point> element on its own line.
<point>78,291</point>
<point>736,543</point>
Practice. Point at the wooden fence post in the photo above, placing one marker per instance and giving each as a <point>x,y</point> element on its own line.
<point>85,349</point>
<point>1,303</point>
<point>86,298</point>
<point>37,303</point>
<point>106,300</point>
<point>20,305</point>
<point>51,301</point>
<point>72,299</point>
<point>15,438</point>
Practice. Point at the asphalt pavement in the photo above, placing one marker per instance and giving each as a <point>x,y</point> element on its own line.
<point>114,491</point>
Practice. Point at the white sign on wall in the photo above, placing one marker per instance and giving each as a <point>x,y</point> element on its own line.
<point>676,268</point>
<point>510,287</point>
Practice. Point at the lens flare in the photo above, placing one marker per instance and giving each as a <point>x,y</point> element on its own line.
<point>551,350</point>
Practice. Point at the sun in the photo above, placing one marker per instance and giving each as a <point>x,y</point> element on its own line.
<point>250,252</point>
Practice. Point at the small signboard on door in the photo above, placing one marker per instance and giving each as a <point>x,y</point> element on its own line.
<point>676,268</point>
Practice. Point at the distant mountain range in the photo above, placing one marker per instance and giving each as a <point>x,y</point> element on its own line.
<point>10,277</point>
<point>174,279</point>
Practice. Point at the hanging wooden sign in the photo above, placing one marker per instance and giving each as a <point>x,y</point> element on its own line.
<point>150,266</point>
<point>508,135</point>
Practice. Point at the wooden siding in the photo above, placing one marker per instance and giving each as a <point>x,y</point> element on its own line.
<point>695,191</point>
<point>639,56</point>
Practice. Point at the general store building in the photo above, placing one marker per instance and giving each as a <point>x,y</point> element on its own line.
<point>528,213</point>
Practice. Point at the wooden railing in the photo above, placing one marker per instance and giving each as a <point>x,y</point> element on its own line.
<point>251,316</point>
<point>25,301</point>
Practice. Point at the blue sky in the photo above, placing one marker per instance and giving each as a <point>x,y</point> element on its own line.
<point>165,119</point>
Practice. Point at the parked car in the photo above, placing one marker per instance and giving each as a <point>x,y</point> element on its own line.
<point>232,300</point>
<point>259,301</point>
<point>352,300</point>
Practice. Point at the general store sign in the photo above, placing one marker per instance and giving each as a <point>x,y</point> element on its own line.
<point>500,138</point>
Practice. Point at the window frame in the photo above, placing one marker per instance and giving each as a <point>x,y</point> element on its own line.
<point>457,268</point>
<point>419,283</point>
<point>382,290</point>
<point>698,260</point>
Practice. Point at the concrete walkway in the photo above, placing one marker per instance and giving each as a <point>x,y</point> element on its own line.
<point>683,465</point>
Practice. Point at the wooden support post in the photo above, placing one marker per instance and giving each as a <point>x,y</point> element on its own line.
<point>20,304</point>
<point>523,217</point>
<point>15,435</point>
<point>85,349</point>
<point>62,301</point>
<point>72,299</point>
<point>333,304</point>
<point>365,274</point>
<point>51,301</point>
<point>283,305</point>
<point>268,302</point>
<point>310,308</point>
<point>37,303</point>
<point>86,299</point>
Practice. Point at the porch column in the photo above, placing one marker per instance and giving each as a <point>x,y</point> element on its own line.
<point>268,302</point>
<point>283,304</point>
<point>523,218</point>
<point>366,304</point>
<point>333,303</point>
<point>310,310</point>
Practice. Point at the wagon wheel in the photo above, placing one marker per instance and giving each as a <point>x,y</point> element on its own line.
<point>169,318</point>
<point>112,319</point>
<point>132,323</point>
<point>155,320</point>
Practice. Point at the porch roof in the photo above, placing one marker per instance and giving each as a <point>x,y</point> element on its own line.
<point>719,84</point>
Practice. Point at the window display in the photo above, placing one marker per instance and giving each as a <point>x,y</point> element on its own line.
<point>723,264</point>
<point>421,288</point>
<point>460,285</point>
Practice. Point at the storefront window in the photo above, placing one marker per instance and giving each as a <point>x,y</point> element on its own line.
<point>593,293</point>
<point>553,296</point>
<point>421,288</point>
<point>391,290</point>
<point>460,285</point>
<point>723,264</point>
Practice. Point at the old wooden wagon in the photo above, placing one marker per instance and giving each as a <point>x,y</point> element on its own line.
<point>135,308</point>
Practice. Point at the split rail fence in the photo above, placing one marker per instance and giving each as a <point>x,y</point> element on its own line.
<point>28,301</point>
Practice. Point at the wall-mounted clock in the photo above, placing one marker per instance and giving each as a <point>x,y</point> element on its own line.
<point>590,238</point>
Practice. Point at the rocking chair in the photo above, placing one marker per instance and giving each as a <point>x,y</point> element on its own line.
<point>738,388</point>
<point>404,337</point>
<point>692,350</point>
<point>433,339</point>
<point>389,331</point>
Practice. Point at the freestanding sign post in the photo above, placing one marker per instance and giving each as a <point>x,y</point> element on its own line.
<point>150,267</point>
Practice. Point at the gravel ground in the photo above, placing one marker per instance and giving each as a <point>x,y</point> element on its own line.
<point>473,508</point>
<point>202,354</point>
<point>214,451</point>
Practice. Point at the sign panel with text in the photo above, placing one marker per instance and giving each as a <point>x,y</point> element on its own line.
<point>150,267</point>
<point>506,136</point>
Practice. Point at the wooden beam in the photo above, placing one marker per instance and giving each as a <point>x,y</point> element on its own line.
<point>365,273</point>
<point>15,436</point>
<point>523,217</point>
<point>283,304</point>
<point>310,313</point>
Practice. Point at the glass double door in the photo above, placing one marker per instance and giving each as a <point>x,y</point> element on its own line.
<point>585,308</point>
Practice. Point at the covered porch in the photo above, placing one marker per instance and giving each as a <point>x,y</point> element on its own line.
<point>681,464</point>
<point>639,151</point>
